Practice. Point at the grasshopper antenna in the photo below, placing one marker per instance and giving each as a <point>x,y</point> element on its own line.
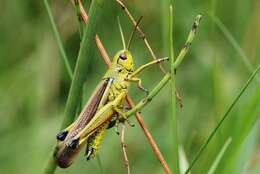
<point>133,32</point>
<point>121,32</point>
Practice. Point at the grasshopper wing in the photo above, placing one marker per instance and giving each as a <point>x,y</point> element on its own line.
<point>64,155</point>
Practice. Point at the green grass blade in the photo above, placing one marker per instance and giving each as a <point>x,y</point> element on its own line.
<point>255,170</point>
<point>51,165</point>
<point>246,121</point>
<point>58,38</point>
<point>219,156</point>
<point>85,53</point>
<point>173,97</point>
<point>164,16</point>
<point>82,26</point>
<point>99,163</point>
<point>223,119</point>
<point>233,42</point>
<point>184,164</point>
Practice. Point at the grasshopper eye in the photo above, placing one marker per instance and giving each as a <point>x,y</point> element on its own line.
<point>122,56</point>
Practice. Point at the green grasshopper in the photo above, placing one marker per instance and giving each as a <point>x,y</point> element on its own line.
<point>103,108</point>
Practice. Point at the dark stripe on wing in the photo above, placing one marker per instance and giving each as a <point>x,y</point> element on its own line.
<point>64,155</point>
<point>89,110</point>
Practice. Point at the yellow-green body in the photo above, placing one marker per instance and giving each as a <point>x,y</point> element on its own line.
<point>94,141</point>
<point>118,86</point>
<point>94,130</point>
<point>103,105</point>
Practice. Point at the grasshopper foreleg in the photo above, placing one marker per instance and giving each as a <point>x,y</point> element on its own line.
<point>139,84</point>
<point>141,68</point>
<point>117,127</point>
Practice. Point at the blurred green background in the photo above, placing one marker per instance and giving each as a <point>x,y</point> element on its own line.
<point>34,84</point>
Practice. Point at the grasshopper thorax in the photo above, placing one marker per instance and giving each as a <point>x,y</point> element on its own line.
<point>124,60</point>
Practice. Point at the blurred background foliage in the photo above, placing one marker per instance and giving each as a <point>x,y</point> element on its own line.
<point>34,84</point>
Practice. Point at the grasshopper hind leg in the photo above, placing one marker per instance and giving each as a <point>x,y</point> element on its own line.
<point>139,84</point>
<point>94,141</point>
<point>112,122</point>
<point>89,152</point>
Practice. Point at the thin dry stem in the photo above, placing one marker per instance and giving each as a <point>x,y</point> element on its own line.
<point>99,44</point>
<point>138,116</point>
<point>102,51</point>
<point>123,145</point>
<point>141,32</point>
<point>149,137</point>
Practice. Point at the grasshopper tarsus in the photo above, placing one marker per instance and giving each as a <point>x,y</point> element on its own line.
<point>61,135</point>
<point>179,99</point>
<point>129,123</point>
<point>146,92</point>
<point>143,89</point>
<point>88,155</point>
<point>142,36</point>
<point>123,145</point>
<point>117,127</point>
<point>147,99</point>
<point>111,124</point>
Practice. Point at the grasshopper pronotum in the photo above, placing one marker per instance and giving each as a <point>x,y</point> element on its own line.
<point>102,108</point>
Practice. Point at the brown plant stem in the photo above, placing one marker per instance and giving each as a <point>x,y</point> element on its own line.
<point>138,116</point>
<point>142,35</point>
<point>149,137</point>
<point>122,139</point>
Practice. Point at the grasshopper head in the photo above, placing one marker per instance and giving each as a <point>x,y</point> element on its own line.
<point>124,60</point>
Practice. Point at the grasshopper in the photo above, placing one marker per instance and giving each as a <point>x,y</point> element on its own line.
<point>102,109</point>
